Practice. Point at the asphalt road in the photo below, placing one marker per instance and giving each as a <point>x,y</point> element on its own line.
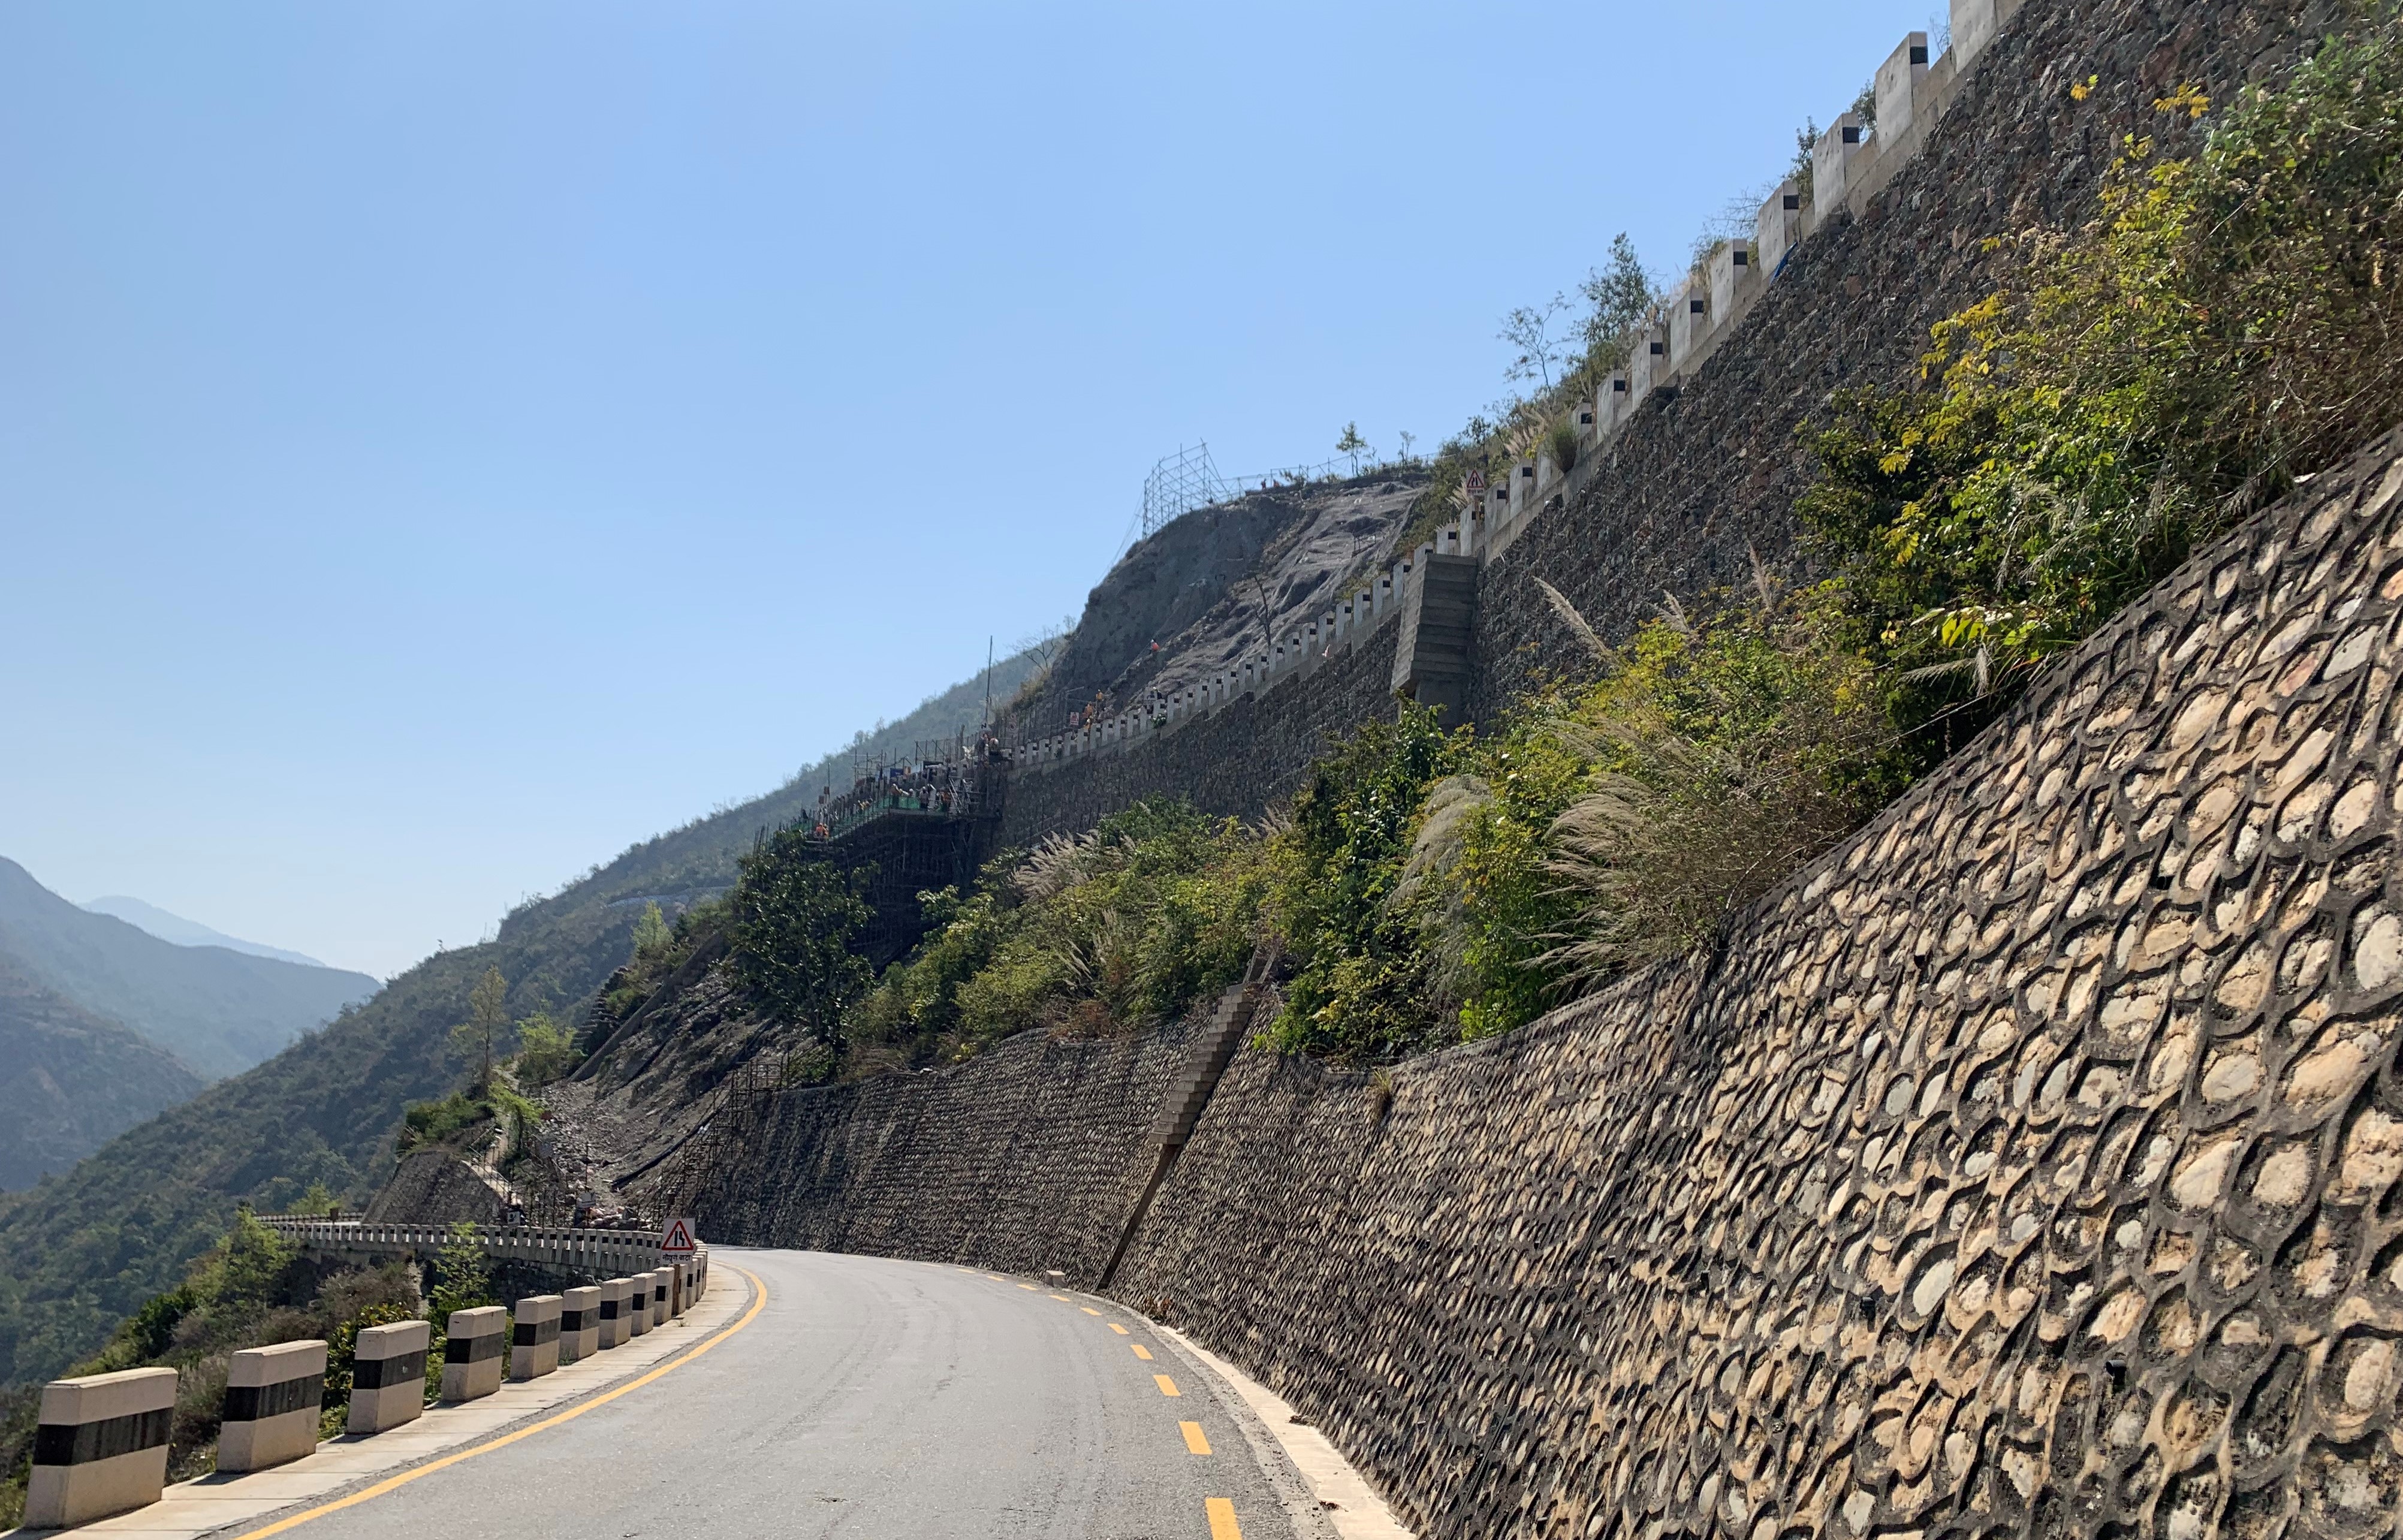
<point>871,1399</point>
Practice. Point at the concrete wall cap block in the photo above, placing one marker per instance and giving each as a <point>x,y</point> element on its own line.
<point>394,1339</point>
<point>1899,85</point>
<point>273,1365</point>
<point>95,1398</point>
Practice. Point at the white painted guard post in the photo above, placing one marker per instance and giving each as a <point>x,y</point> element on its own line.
<point>388,1375</point>
<point>659,1277</point>
<point>616,1324</point>
<point>471,1362</point>
<point>534,1349</point>
<point>274,1397</point>
<point>579,1324</point>
<point>99,1447</point>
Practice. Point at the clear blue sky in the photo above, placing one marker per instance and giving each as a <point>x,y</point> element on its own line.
<point>440,444</point>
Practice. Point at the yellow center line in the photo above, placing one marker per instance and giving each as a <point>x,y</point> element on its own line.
<point>1167,1386</point>
<point>996,1278</point>
<point>1141,1352</point>
<point>1029,1289</point>
<point>758,1302</point>
<point>1116,1327</point>
<point>1194,1437</point>
<point>1089,1309</point>
<point>1222,1519</point>
<point>1063,1298</point>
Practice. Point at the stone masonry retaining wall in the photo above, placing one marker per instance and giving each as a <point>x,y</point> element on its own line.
<point>934,1164</point>
<point>2028,1165</point>
<point>1243,757</point>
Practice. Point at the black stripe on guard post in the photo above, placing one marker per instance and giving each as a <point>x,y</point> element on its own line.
<point>478,1349</point>
<point>252,1403</point>
<point>81,1443</point>
<point>376,1373</point>
<point>533,1334</point>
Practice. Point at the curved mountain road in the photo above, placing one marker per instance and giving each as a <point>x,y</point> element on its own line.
<point>882,1400</point>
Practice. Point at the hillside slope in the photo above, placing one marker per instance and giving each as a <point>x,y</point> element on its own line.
<point>83,1248</point>
<point>219,1011</point>
<point>74,1080</point>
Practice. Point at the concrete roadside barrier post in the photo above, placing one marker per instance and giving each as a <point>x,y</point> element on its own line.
<point>615,1325</point>
<point>274,1399</point>
<point>534,1347</point>
<point>659,1277</point>
<point>579,1325</point>
<point>99,1447</point>
<point>388,1375</point>
<point>471,1363</point>
<point>638,1304</point>
<point>675,1289</point>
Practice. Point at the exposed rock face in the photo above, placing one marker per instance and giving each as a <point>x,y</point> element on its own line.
<point>434,1188</point>
<point>2033,1164</point>
<point>1213,585</point>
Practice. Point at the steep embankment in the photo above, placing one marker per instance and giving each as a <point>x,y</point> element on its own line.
<point>219,1011</point>
<point>83,1248</point>
<point>2031,1164</point>
<point>74,1079</point>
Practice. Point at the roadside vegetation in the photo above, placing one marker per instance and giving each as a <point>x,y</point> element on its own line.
<point>2225,323</point>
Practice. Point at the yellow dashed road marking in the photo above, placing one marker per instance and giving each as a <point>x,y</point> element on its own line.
<point>996,1278</point>
<point>1116,1327</point>
<point>1063,1298</point>
<point>1222,1520</point>
<point>1030,1289</point>
<point>1194,1439</point>
<point>1089,1309</point>
<point>1167,1386</point>
<point>1141,1352</point>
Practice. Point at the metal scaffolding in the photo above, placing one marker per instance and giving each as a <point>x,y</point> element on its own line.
<point>1180,483</point>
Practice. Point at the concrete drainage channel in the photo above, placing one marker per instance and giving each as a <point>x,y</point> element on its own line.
<point>100,1452</point>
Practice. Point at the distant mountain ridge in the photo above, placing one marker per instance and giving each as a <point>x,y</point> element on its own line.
<point>219,1011</point>
<point>183,932</point>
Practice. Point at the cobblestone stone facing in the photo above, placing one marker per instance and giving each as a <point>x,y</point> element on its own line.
<point>2028,1167</point>
<point>1240,760</point>
<point>1028,1157</point>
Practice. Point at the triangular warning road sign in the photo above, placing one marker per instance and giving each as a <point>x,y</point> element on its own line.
<point>677,1238</point>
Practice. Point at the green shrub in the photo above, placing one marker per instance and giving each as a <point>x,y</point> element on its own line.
<point>427,1124</point>
<point>1360,990</point>
<point>547,1050</point>
<point>2229,319</point>
<point>1562,441</point>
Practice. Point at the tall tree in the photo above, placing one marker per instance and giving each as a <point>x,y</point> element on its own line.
<point>488,1018</point>
<point>1616,297</point>
<point>795,915</point>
